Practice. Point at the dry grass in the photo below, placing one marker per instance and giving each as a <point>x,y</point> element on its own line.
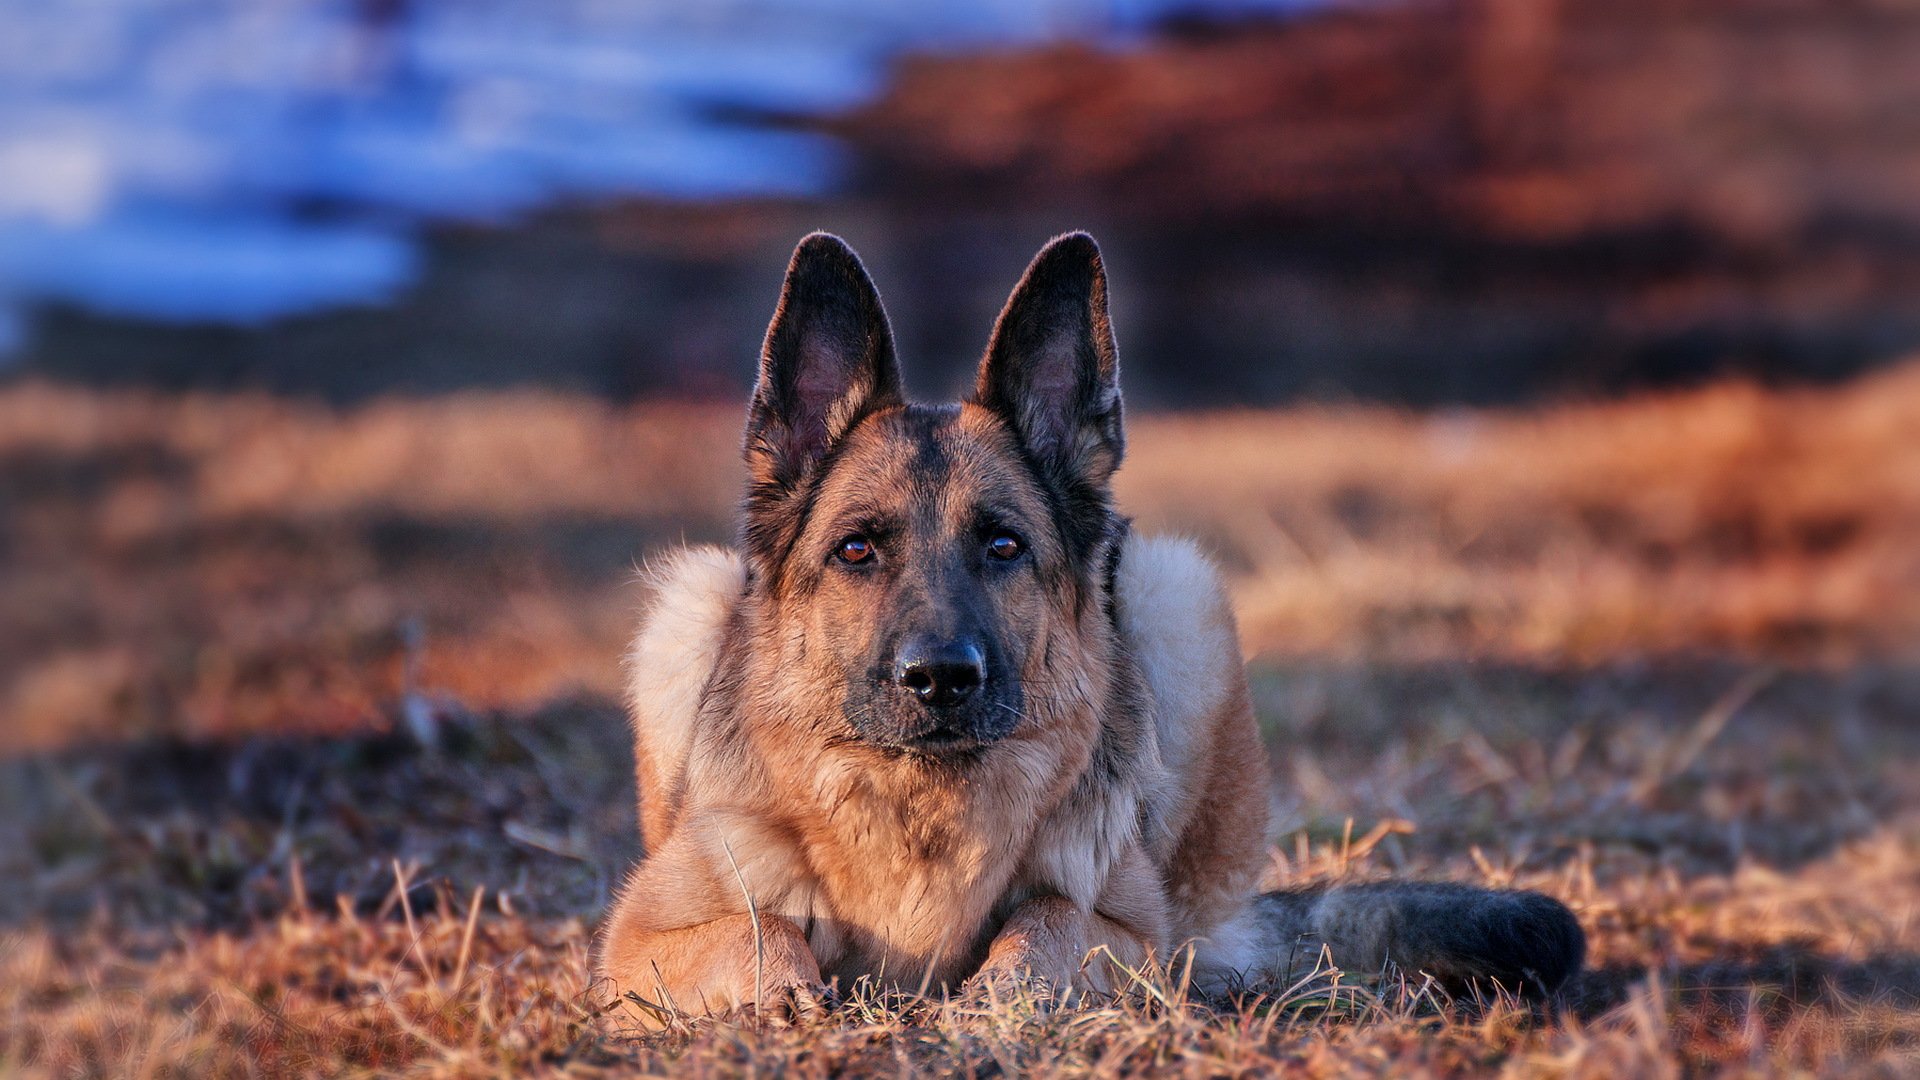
<point>261,663</point>
<point>216,565</point>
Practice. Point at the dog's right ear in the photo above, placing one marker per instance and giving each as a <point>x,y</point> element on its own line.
<point>828,361</point>
<point>1052,370</point>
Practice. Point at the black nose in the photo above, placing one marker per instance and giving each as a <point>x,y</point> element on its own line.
<point>940,673</point>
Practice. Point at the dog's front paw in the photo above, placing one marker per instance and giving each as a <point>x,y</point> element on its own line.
<point>1006,979</point>
<point>787,1004</point>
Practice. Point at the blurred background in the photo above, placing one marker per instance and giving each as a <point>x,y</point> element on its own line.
<point>1432,202</point>
<point>1542,373</point>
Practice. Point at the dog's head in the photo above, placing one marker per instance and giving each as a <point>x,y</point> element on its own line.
<point>936,568</point>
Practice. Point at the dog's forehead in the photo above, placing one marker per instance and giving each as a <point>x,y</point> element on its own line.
<point>939,459</point>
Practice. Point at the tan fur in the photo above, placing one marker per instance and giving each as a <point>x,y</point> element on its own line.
<point>1180,628</point>
<point>943,719</point>
<point>708,957</point>
<point>693,593</point>
<point>893,875</point>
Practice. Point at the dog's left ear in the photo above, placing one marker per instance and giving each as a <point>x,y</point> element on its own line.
<point>1051,368</point>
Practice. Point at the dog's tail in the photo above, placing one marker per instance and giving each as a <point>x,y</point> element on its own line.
<point>1463,936</point>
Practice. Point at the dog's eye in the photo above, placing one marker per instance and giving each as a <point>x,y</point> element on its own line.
<point>854,550</point>
<point>1005,545</point>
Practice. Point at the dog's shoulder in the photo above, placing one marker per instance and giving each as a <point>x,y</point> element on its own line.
<point>691,597</point>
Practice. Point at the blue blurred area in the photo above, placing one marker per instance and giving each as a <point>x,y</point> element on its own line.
<point>236,161</point>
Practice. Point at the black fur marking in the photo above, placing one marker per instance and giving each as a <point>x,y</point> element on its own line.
<point>1464,936</point>
<point>1110,582</point>
<point>1529,940</point>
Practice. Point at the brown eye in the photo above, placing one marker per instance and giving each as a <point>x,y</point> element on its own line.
<point>1005,546</point>
<point>854,550</point>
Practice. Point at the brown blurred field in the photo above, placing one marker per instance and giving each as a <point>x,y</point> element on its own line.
<point>313,764</point>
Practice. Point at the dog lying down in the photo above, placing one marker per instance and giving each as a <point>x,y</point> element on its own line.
<point>943,719</point>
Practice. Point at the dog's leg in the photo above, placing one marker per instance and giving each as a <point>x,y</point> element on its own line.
<point>1459,934</point>
<point>1052,941</point>
<point>684,935</point>
<point>1044,938</point>
<point>714,967</point>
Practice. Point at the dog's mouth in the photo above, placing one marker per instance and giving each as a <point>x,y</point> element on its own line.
<point>909,727</point>
<point>945,739</point>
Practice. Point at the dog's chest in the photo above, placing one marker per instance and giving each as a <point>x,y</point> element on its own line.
<point>902,888</point>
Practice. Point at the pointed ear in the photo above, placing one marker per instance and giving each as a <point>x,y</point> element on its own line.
<point>828,361</point>
<point>1051,368</point>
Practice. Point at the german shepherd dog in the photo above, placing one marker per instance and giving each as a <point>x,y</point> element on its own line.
<point>942,720</point>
